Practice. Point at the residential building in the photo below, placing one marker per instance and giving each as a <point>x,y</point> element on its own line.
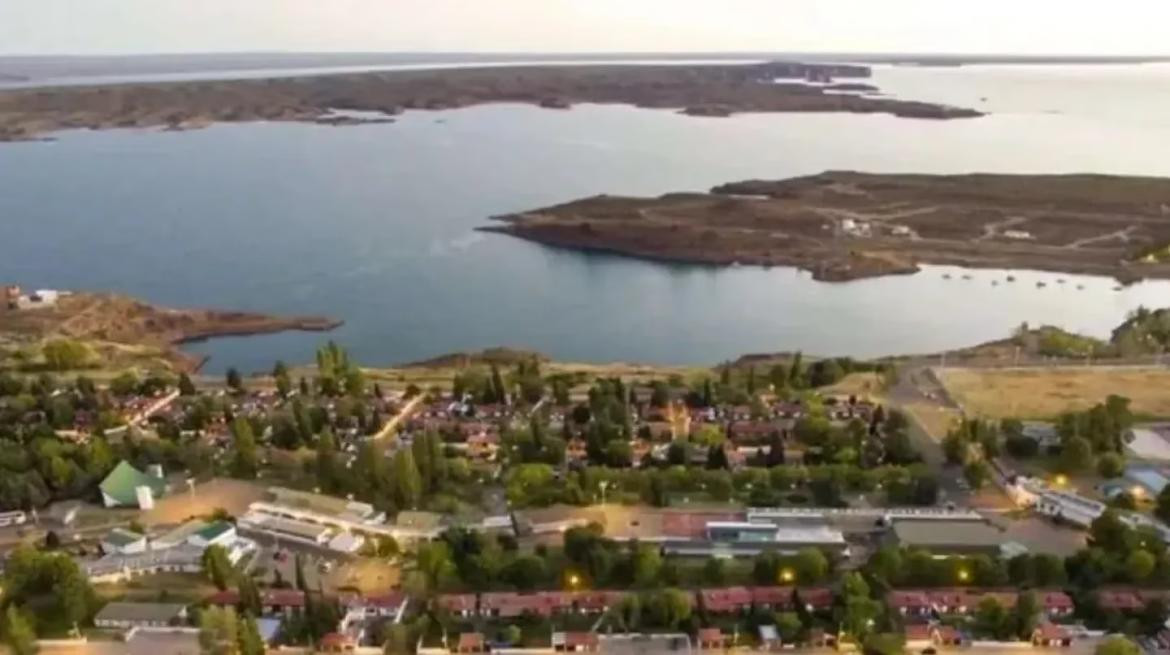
<point>126,486</point>
<point>1051,635</point>
<point>123,616</point>
<point>121,541</point>
<point>218,533</point>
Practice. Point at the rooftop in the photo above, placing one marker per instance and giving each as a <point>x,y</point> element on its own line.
<point>122,484</point>
<point>961,534</point>
<point>140,612</point>
<point>122,537</point>
<point>212,531</point>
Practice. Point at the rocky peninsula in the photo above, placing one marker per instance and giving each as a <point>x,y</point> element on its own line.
<point>846,225</point>
<point>708,90</point>
<point>116,325</point>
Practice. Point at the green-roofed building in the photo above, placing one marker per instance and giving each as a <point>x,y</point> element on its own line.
<point>121,487</point>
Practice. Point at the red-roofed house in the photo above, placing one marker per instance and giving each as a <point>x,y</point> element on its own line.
<point>457,604</point>
<point>1051,635</point>
<point>909,602</point>
<point>726,600</point>
<point>593,602</point>
<point>772,597</point>
<point>1121,600</point>
<point>225,598</point>
<point>385,605</point>
<point>575,642</point>
<point>711,638</point>
<point>281,601</point>
<point>816,598</point>
<point>1055,603</point>
<point>952,601</point>
<point>1006,599</point>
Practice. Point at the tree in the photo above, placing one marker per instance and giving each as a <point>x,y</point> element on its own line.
<point>668,607</point>
<point>1110,465</point>
<point>811,566</point>
<point>234,381</point>
<point>218,631</point>
<point>513,634</point>
<point>992,620</point>
<point>408,484</point>
<point>977,473</point>
<point>885,643</point>
<point>860,616</point>
<point>789,625</point>
<point>397,638</point>
<point>186,386</point>
<point>249,640</point>
<point>18,632</point>
<point>1050,571</point>
<point>217,566</point>
<point>714,572</point>
<point>1027,613</point>
<point>647,562</point>
<point>327,460</point>
<point>1117,645</point>
<point>246,461</point>
<point>1139,565</point>
<point>855,585</point>
<point>1110,533</point>
<point>435,564</point>
<point>1076,455</point>
<point>65,354</point>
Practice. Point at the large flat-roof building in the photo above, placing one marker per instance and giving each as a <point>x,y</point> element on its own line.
<point>948,537</point>
<point>122,615</point>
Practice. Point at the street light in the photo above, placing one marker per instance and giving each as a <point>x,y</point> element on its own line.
<point>787,575</point>
<point>574,580</point>
<point>964,575</point>
<point>1060,480</point>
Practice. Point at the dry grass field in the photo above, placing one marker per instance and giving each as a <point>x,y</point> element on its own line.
<point>1046,392</point>
<point>862,385</point>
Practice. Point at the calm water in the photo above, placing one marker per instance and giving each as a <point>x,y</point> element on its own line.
<point>374,224</point>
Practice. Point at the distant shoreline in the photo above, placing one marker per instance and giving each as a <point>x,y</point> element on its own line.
<point>696,89</point>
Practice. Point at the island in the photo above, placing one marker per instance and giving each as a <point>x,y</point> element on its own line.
<point>106,327</point>
<point>708,90</point>
<point>847,225</point>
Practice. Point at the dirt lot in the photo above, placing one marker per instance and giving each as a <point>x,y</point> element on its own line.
<point>1046,392</point>
<point>232,495</point>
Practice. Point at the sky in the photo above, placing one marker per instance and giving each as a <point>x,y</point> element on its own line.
<point>1094,27</point>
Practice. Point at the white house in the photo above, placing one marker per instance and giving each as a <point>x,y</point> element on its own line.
<point>120,541</point>
<point>219,533</point>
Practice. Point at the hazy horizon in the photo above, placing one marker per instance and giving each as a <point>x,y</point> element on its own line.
<point>1124,28</point>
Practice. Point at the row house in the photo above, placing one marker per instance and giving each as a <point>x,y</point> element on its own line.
<point>541,603</point>
<point>1125,599</point>
<point>272,601</point>
<point>387,605</point>
<point>926,602</point>
<point>461,605</point>
<point>921,636</point>
<point>730,600</point>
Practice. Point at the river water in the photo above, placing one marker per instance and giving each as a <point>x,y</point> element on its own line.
<point>374,224</point>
